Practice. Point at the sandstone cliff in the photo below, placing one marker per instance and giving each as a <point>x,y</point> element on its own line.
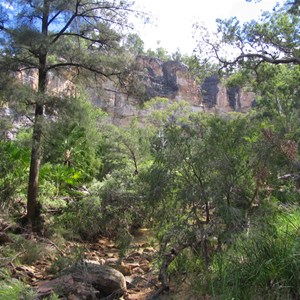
<point>171,80</point>
<point>157,78</point>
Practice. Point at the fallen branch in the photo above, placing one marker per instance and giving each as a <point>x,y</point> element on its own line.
<point>158,292</point>
<point>54,245</point>
<point>11,260</point>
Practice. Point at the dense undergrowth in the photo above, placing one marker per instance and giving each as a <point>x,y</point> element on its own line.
<point>220,193</point>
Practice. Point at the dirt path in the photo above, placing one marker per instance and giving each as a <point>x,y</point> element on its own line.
<point>137,265</point>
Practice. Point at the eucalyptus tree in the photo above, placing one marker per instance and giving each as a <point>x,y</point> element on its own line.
<point>55,35</point>
<point>262,53</point>
<point>273,38</point>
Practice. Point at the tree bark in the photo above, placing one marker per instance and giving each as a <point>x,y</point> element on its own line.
<point>32,202</point>
<point>33,208</point>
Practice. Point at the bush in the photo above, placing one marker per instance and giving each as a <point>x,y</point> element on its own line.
<point>24,251</point>
<point>263,265</point>
<point>13,169</point>
<point>15,289</point>
<point>83,219</point>
<point>112,208</point>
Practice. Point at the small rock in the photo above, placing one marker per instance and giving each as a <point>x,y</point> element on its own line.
<point>125,270</point>
<point>111,261</point>
<point>89,261</point>
<point>149,250</point>
<point>96,247</point>
<point>144,261</point>
<point>145,268</point>
<point>148,256</point>
<point>137,270</point>
<point>129,260</point>
<point>103,278</point>
<point>110,255</point>
<point>134,255</point>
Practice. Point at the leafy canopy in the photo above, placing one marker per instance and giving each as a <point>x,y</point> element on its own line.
<point>274,38</point>
<point>77,34</point>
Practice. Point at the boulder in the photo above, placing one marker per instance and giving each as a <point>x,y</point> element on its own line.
<point>86,280</point>
<point>103,278</point>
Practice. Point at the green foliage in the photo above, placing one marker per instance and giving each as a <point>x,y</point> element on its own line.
<point>160,53</point>
<point>264,263</point>
<point>273,38</point>
<point>279,93</point>
<point>198,70</point>
<point>127,158</point>
<point>72,140</point>
<point>260,261</point>
<point>24,251</point>
<point>86,35</point>
<point>210,177</point>
<point>55,36</point>
<point>116,201</point>
<point>220,192</point>
<point>79,222</point>
<point>15,289</point>
<point>13,169</point>
<point>203,161</point>
<point>134,44</point>
<point>125,148</point>
<point>71,151</point>
<point>63,264</point>
<point>185,266</point>
<point>114,209</point>
<point>61,178</point>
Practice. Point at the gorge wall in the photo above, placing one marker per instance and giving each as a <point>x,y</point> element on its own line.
<point>172,80</point>
<point>156,78</point>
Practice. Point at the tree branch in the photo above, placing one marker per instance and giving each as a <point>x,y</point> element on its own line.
<point>54,17</point>
<point>88,68</point>
<point>75,14</point>
<point>263,58</point>
<point>100,41</point>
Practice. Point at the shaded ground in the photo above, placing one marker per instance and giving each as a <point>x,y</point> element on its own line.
<point>137,266</point>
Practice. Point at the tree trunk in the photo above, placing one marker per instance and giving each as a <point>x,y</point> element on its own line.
<point>33,212</point>
<point>33,207</point>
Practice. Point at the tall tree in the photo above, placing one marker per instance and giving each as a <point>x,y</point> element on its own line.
<point>264,53</point>
<point>274,39</point>
<point>56,35</point>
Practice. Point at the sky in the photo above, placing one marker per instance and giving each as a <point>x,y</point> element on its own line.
<point>172,20</point>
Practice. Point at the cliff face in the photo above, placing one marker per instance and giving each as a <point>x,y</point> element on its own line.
<point>169,79</point>
<point>217,97</point>
<point>172,80</point>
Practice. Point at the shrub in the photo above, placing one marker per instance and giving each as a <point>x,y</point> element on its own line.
<point>15,289</point>
<point>263,265</point>
<point>24,251</point>
<point>14,162</point>
<point>83,219</point>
